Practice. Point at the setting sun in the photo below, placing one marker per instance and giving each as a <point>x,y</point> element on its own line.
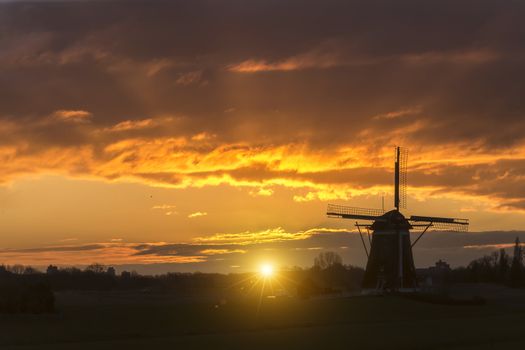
<point>266,270</point>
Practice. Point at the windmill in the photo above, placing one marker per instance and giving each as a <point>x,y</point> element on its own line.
<point>390,264</point>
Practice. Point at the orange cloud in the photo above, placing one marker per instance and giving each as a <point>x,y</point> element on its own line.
<point>469,56</point>
<point>492,246</point>
<point>222,251</point>
<point>132,125</point>
<point>163,206</point>
<point>332,54</point>
<point>202,159</point>
<point>72,116</point>
<point>399,113</point>
<point>307,61</point>
<point>194,77</point>
<point>155,66</point>
<point>105,253</point>
<point>265,236</point>
<point>264,192</point>
<point>197,214</point>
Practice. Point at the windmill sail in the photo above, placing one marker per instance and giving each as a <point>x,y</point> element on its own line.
<point>440,223</point>
<point>344,212</point>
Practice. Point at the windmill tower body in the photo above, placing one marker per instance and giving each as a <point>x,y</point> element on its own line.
<point>390,265</point>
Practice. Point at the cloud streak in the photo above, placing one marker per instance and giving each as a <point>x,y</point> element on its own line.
<point>294,248</point>
<point>72,116</point>
<point>197,214</point>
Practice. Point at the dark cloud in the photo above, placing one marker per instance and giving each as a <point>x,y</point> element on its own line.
<point>70,248</point>
<point>327,75</point>
<point>180,249</point>
<point>460,61</point>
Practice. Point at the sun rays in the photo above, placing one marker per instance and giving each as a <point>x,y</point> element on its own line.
<point>266,270</point>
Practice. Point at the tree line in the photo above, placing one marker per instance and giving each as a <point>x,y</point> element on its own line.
<point>26,289</point>
<point>498,267</point>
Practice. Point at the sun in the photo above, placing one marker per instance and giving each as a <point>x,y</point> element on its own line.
<point>266,270</point>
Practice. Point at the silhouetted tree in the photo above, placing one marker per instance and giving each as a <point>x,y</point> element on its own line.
<point>516,269</point>
<point>484,269</point>
<point>28,270</point>
<point>17,269</point>
<point>96,268</point>
<point>503,265</point>
<point>327,259</point>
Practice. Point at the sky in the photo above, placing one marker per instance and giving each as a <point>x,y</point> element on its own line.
<point>211,135</point>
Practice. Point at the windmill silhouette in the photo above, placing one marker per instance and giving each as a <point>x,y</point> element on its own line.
<point>390,264</point>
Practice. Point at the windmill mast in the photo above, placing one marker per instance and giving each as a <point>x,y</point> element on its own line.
<point>396,180</point>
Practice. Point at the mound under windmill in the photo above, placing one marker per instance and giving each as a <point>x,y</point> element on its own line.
<point>390,264</point>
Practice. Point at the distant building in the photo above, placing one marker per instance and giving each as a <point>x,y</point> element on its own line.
<point>441,266</point>
<point>433,276</point>
<point>52,269</point>
<point>111,271</point>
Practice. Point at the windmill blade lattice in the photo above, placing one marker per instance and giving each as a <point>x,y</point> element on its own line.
<point>343,211</point>
<point>441,224</point>
<point>403,163</point>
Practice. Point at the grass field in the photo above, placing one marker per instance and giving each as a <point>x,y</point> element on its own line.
<point>111,320</point>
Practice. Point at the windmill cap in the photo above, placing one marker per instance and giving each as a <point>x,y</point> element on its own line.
<point>391,220</point>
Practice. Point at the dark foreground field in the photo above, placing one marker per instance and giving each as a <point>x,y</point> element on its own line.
<point>136,320</point>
